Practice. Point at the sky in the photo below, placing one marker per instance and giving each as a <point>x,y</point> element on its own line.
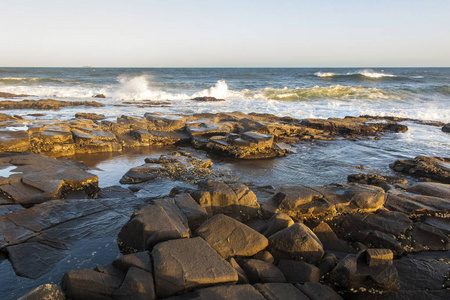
<point>226,33</point>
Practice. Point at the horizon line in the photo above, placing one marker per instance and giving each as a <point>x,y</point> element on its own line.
<point>224,67</point>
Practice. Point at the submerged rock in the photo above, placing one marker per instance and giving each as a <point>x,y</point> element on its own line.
<point>446,127</point>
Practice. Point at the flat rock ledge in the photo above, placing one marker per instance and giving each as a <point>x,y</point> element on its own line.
<point>45,104</point>
<point>195,244</point>
<point>237,135</point>
<point>425,167</point>
<point>35,178</point>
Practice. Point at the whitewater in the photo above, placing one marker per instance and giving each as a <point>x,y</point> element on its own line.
<point>405,92</point>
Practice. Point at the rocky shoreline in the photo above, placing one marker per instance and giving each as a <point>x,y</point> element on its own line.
<point>374,237</point>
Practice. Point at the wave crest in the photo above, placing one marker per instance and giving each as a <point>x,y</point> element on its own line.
<point>28,80</point>
<point>367,73</point>
<point>329,92</point>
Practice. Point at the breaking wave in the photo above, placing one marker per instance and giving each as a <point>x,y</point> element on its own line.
<point>329,92</point>
<point>34,80</point>
<point>361,73</point>
<point>142,87</point>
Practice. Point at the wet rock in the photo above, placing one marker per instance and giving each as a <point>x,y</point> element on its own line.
<point>230,237</point>
<point>429,237</point>
<point>235,199</point>
<point>10,95</point>
<point>415,204</point>
<point>45,291</point>
<point>138,284</point>
<point>141,260</point>
<point>115,191</point>
<point>176,166</point>
<point>32,259</point>
<point>318,291</point>
<point>261,271</point>
<point>276,223</point>
<point>177,270</point>
<point>250,145</point>
<point>99,96</point>
<point>14,141</point>
<point>88,284</point>
<point>195,214</point>
<point>446,127</point>
<point>435,168</point>
<point>441,223</point>
<point>432,189</point>
<point>369,269</point>
<point>43,178</point>
<point>306,202</point>
<point>5,117</point>
<point>90,116</point>
<point>207,99</point>
<point>164,122</point>
<point>280,291</point>
<point>296,242</point>
<point>420,274</point>
<point>149,227</point>
<point>45,104</point>
<point>375,179</point>
<point>223,292</point>
<point>298,271</point>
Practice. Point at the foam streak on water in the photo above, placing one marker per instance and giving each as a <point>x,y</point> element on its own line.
<point>414,92</point>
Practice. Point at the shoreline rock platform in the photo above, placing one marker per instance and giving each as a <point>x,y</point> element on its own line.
<point>374,237</point>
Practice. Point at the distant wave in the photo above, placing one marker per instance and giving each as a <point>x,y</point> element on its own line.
<point>28,80</point>
<point>362,73</point>
<point>329,92</point>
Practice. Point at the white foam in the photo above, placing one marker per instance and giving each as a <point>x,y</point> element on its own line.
<point>16,128</point>
<point>139,88</point>
<point>219,90</point>
<point>6,172</point>
<point>325,74</point>
<point>372,74</point>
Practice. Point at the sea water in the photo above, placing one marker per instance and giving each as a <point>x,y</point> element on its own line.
<point>417,93</point>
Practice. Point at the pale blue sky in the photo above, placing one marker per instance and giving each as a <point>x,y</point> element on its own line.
<point>190,33</point>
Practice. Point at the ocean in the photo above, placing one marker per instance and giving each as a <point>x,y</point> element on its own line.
<point>416,93</point>
<point>419,93</point>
